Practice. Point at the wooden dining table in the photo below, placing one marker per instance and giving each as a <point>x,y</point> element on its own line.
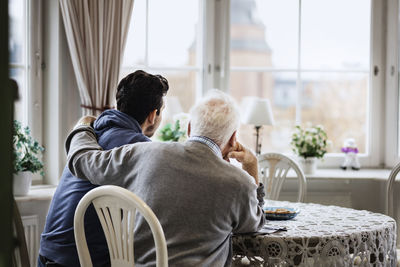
<point>321,235</point>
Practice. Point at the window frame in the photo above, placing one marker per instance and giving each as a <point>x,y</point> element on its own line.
<point>35,70</point>
<point>214,69</point>
<point>376,128</point>
<point>392,109</point>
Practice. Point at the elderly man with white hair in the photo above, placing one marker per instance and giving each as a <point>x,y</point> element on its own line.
<point>199,198</point>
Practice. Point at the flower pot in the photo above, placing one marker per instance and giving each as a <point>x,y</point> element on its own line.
<point>309,165</point>
<point>21,184</point>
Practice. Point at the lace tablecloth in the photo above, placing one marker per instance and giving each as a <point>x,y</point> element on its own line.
<point>322,236</point>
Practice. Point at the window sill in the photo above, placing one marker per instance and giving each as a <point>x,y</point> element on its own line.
<point>45,192</point>
<point>337,174</point>
<point>38,192</point>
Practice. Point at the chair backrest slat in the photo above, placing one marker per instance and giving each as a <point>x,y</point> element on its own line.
<point>274,168</point>
<point>132,217</point>
<point>125,237</point>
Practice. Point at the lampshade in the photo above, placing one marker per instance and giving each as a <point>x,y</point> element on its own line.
<point>257,111</point>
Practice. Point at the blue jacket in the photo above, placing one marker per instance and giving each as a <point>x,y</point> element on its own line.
<point>113,129</point>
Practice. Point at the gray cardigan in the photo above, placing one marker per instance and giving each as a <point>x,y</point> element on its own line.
<point>199,198</point>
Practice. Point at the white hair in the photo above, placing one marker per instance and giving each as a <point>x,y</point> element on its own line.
<point>216,116</point>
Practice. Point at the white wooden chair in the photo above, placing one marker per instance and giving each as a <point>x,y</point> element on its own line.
<point>389,200</point>
<point>116,208</point>
<point>273,170</point>
<point>389,190</point>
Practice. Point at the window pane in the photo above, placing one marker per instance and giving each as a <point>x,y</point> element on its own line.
<point>180,97</point>
<point>339,103</point>
<point>264,33</point>
<point>280,89</point>
<point>173,35</point>
<point>17,34</point>
<point>336,34</point>
<point>136,40</point>
<point>182,89</point>
<point>20,106</point>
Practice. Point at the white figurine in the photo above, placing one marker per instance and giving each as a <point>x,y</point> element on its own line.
<point>351,151</point>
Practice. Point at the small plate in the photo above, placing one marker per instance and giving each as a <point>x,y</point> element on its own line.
<point>278,213</point>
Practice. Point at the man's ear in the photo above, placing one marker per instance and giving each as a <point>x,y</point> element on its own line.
<point>232,140</point>
<point>151,118</point>
<point>188,129</point>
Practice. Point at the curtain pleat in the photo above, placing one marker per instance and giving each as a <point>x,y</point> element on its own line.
<point>96,33</point>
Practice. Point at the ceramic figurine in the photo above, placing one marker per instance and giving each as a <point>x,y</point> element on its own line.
<point>350,160</point>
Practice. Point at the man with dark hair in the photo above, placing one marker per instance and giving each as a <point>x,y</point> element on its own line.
<point>139,103</point>
<point>139,111</point>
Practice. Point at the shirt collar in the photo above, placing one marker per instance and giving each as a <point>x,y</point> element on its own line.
<point>208,142</point>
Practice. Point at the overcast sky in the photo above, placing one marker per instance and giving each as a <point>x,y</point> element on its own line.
<point>335,33</point>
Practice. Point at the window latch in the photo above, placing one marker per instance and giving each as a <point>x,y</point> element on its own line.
<point>376,70</point>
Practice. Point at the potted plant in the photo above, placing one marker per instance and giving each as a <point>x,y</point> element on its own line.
<point>171,132</point>
<point>309,144</point>
<point>27,152</point>
<point>175,132</point>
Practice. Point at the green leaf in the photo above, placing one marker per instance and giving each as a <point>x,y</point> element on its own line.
<point>27,151</point>
<point>171,133</point>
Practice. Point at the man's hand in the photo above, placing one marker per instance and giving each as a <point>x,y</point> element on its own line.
<point>247,158</point>
<point>85,120</point>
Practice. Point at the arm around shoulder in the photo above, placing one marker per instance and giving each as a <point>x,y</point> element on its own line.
<point>86,160</point>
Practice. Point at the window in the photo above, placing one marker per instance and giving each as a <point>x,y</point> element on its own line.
<point>312,66</point>
<point>25,61</point>
<point>25,40</point>
<point>18,40</point>
<point>316,61</point>
<point>170,45</point>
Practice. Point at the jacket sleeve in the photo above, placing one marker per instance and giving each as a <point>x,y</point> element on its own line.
<point>249,215</point>
<point>87,160</point>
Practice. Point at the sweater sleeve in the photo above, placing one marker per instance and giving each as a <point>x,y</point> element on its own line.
<point>249,213</point>
<point>87,160</point>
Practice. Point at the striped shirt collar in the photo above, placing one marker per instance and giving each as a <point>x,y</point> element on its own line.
<point>208,142</point>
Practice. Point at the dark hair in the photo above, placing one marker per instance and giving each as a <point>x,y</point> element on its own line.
<point>139,93</point>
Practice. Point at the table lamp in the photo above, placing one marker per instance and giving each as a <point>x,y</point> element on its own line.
<point>257,112</point>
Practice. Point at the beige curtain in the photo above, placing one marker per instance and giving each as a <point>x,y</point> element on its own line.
<point>96,32</point>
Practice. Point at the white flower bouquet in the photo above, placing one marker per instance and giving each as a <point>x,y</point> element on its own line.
<point>310,142</point>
